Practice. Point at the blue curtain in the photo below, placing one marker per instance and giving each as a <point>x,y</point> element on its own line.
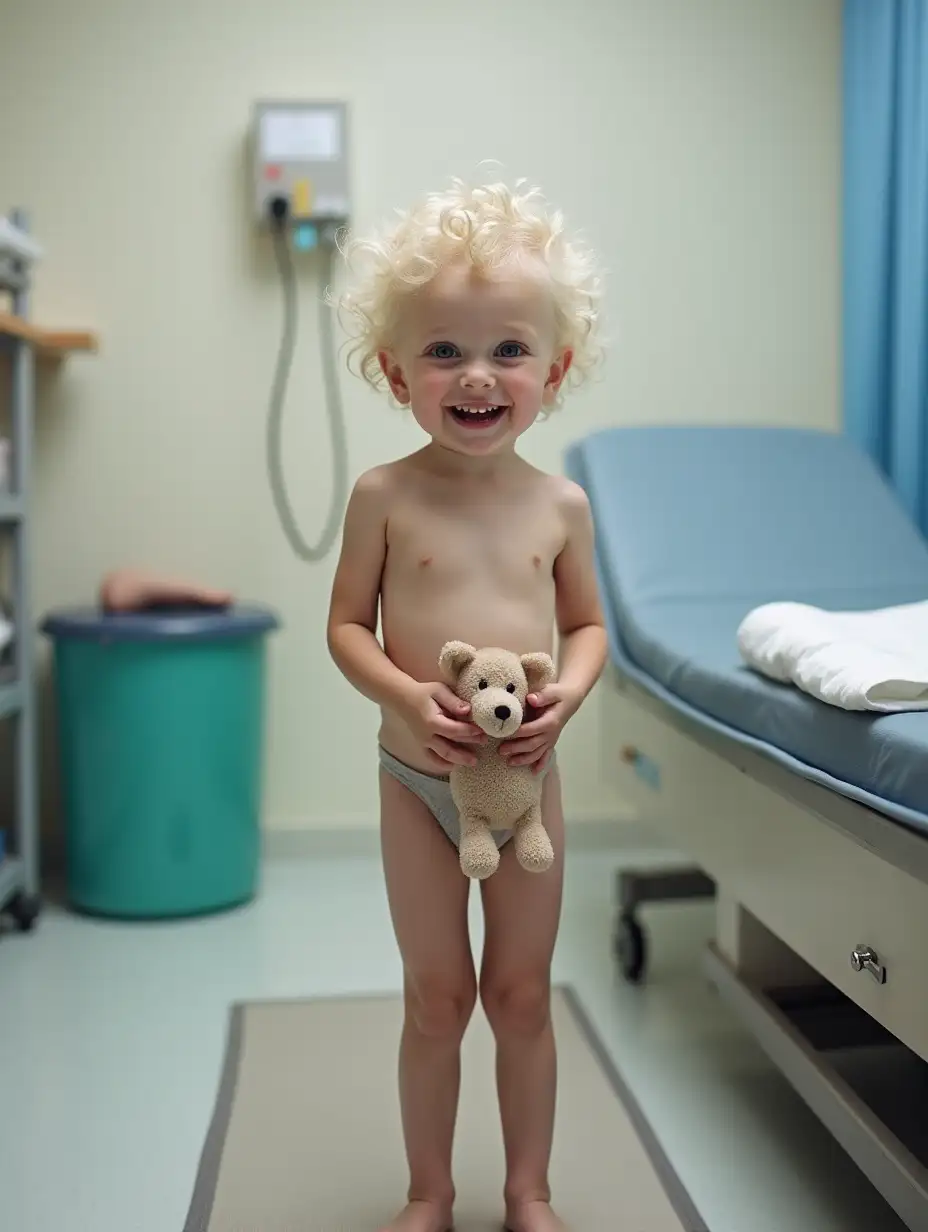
<point>885,240</point>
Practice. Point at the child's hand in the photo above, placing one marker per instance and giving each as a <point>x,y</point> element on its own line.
<point>535,741</point>
<point>437,718</point>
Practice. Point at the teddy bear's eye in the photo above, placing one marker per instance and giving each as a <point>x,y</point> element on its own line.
<point>482,684</point>
<point>510,688</point>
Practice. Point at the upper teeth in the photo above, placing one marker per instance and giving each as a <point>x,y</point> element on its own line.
<point>477,410</point>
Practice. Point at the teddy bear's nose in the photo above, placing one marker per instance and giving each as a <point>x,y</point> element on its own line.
<point>502,712</point>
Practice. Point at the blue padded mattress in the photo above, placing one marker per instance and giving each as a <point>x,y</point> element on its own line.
<point>697,526</point>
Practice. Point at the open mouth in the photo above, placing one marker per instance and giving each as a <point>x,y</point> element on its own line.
<point>477,416</point>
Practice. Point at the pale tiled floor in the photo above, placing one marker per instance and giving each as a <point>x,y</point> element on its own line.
<point>111,1037</point>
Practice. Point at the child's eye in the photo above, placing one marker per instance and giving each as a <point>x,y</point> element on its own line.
<point>510,688</point>
<point>510,350</point>
<point>443,350</point>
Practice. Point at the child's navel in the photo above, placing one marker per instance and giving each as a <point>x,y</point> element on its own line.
<point>425,562</point>
<point>536,561</point>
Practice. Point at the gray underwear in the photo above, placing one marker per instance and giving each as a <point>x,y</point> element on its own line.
<point>434,790</point>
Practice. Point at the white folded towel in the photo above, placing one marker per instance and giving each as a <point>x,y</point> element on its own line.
<point>874,660</point>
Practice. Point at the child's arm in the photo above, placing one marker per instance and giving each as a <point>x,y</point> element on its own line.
<point>583,643</point>
<point>355,598</point>
<point>352,625</point>
<point>580,621</point>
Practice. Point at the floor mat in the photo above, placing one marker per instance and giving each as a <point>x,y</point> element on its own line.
<point>305,1136</point>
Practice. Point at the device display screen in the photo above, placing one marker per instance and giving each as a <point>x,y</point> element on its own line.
<point>300,136</point>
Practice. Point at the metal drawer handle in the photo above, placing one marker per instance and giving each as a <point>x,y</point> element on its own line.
<point>865,959</point>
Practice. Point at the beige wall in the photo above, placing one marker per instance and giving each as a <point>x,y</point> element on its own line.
<point>696,142</point>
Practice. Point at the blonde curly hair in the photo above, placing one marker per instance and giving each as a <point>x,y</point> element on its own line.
<point>487,226</point>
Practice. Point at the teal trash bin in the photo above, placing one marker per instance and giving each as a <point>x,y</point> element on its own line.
<point>160,717</point>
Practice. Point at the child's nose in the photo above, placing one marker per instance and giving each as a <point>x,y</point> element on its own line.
<point>477,376</point>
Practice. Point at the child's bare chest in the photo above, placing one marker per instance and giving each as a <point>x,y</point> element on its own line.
<point>510,550</point>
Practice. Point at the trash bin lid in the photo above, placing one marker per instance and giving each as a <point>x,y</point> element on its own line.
<point>169,622</point>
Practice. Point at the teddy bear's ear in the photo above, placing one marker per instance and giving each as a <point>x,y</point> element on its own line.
<point>539,670</point>
<point>454,657</point>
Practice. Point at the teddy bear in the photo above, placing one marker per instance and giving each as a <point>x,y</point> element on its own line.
<point>493,794</point>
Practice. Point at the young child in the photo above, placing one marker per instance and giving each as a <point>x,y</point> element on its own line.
<point>472,310</point>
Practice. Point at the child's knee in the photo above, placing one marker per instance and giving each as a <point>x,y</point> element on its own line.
<point>518,1006</point>
<point>441,1008</point>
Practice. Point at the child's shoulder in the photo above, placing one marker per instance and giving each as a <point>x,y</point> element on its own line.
<point>382,493</point>
<point>564,493</point>
<point>383,481</point>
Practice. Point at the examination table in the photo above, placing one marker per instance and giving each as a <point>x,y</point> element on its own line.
<point>808,824</point>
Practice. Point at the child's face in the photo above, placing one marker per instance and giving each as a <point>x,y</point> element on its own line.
<point>476,359</point>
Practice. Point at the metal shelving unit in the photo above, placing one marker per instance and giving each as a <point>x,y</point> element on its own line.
<point>19,866</point>
<point>26,342</point>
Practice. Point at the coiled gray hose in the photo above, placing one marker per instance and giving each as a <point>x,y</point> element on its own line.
<point>306,551</point>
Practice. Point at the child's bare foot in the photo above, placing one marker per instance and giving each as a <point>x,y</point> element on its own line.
<point>421,1217</point>
<point>128,590</point>
<point>533,1217</point>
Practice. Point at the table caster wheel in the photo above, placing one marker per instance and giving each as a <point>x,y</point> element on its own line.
<point>630,948</point>
<point>24,910</point>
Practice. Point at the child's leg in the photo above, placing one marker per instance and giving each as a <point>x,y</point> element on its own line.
<point>428,895</point>
<point>522,911</point>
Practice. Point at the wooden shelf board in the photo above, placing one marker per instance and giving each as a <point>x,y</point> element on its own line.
<point>48,342</point>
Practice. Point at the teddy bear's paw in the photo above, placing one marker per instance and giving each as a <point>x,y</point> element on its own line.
<point>479,856</point>
<point>534,851</point>
<point>481,866</point>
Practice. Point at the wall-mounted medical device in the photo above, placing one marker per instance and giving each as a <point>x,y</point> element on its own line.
<point>301,167</point>
<point>301,199</point>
